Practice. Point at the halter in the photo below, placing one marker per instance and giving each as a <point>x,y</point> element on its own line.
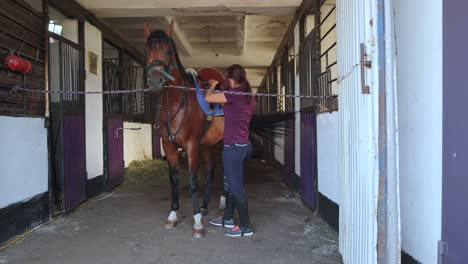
<point>156,66</point>
<point>166,72</point>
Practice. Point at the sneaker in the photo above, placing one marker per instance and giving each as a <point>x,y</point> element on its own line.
<point>220,221</point>
<point>237,232</point>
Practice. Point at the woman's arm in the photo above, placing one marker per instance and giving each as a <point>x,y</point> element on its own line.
<point>212,97</point>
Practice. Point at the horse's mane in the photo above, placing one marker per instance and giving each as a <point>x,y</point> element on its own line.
<point>161,37</point>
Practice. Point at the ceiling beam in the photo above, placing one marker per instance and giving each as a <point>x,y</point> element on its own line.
<point>90,4</point>
<point>111,11</point>
<point>241,21</point>
<point>182,44</point>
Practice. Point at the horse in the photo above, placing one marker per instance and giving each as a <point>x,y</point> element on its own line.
<point>181,122</point>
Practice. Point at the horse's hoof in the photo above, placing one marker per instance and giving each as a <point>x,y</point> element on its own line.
<point>197,233</point>
<point>204,211</point>
<point>171,223</point>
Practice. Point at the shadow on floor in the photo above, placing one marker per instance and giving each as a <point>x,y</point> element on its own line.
<point>128,227</point>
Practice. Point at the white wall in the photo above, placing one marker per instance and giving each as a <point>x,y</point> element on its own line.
<point>279,149</point>
<point>419,85</point>
<point>327,155</point>
<point>327,123</point>
<point>137,143</point>
<point>297,107</point>
<point>94,115</point>
<point>23,159</point>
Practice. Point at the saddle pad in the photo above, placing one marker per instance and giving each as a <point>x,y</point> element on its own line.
<point>205,106</point>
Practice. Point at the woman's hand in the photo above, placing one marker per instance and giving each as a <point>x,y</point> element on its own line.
<point>213,97</point>
<point>213,84</point>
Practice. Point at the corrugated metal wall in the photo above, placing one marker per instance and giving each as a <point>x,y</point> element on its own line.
<point>358,135</point>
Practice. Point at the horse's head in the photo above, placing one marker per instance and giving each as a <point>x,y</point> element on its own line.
<point>159,51</point>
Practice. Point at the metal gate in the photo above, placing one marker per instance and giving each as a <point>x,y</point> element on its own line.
<point>289,138</point>
<point>121,73</point>
<point>114,152</point>
<point>113,124</point>
<point>309,71</point>
<point>68,122</point>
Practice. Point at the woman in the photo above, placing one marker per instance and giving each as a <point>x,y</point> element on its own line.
<point>238,110</point>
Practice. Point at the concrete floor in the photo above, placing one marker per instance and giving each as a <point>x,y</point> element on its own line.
<point>128,227</point>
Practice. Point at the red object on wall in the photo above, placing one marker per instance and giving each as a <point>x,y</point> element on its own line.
<point>15,63</point>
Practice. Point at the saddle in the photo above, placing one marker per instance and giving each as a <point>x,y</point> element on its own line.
<point>201,80</point>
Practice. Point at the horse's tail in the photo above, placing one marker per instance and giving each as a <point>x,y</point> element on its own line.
<point>271,126</point>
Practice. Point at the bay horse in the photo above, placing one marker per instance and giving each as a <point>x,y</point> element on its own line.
<point>181,122</point>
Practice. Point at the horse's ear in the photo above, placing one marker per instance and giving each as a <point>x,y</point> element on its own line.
<point>147,30</point>
<point>170,29</point>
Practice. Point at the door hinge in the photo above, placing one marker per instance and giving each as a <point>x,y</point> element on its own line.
<point>442,252</point>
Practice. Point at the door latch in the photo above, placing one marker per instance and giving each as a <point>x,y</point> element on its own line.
<point>365,89</point>
<point>125,128</point>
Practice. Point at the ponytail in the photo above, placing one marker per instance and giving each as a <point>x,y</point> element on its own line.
<point>247,89</point>
<point>238,74</point>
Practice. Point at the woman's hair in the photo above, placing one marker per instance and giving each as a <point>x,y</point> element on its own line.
<point>238,74</point>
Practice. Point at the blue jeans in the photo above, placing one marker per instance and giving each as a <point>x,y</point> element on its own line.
<point>234,157</point>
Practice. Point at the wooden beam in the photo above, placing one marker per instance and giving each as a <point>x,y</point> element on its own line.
<point>178,4</point>
<point>212,11</point>
<point>241,22</point>
<point>152,8</point>
<point>183,45</point>
<point>74,9</point>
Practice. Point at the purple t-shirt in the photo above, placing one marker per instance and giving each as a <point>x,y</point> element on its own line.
<point>237,114</point>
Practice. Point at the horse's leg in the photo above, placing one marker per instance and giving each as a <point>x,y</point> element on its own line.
<point>207,157</point>
<point>173,164</point>
<point>192,155</point>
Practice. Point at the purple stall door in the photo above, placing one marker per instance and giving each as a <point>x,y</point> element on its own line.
<point>308,160</point>
<point>455,134</point>
<point>115,158</point>
<point>289,154</point>
<point>156,144</point>
<point>74,160</point>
